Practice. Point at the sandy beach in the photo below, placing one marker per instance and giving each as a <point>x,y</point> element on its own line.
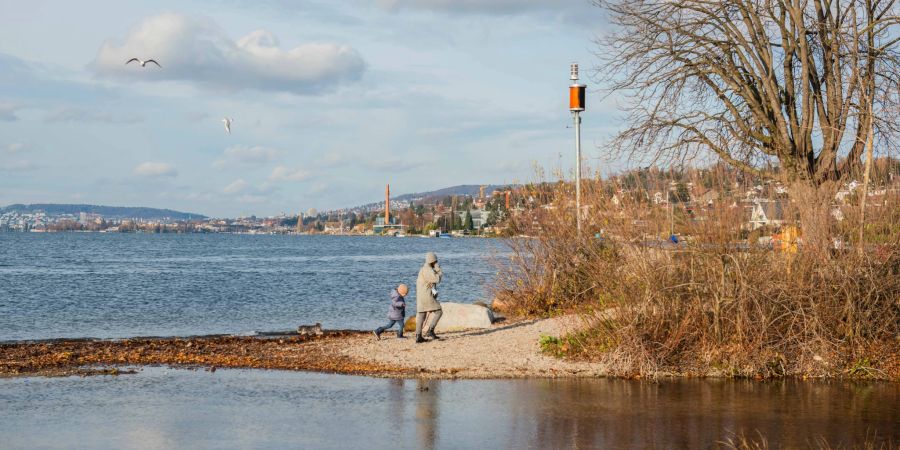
<point>507,350</point>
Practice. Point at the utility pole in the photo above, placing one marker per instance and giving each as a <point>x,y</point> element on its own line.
<point>671,211</point>
<point>870,105</point>
<point>576,105</point>
<point>866,175</point>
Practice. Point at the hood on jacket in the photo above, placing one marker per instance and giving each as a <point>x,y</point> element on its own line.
<point>395,294</point>
<point>430,257</point>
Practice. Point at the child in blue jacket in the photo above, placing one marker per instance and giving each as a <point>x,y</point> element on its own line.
<point>397,311</point>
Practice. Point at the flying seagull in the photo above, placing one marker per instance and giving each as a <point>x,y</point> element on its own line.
<point>227,122</point>
<point>143,63</point>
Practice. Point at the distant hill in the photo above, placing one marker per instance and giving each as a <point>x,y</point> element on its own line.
<point>471,190</point>
<point>118,212</point>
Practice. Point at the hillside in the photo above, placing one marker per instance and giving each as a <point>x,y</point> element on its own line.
<point>472,190</point>
<point>54,209</point>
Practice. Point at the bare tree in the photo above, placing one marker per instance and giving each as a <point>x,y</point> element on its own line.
<point>795,83</point>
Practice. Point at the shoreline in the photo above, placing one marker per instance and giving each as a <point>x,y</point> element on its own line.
<point>507,350</point>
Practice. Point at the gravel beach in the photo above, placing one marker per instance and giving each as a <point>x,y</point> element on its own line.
<point>506,350</point>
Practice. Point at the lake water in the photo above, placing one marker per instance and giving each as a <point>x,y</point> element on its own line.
<point>121,285</point>
<point>77,285</point>
<point>165,408</point>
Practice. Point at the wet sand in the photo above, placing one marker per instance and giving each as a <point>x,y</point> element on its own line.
<point>509,350</point>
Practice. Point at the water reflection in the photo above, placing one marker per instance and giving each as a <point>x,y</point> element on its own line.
<point>696,414</point>
<point>162,408</point>
<point>427,397</point>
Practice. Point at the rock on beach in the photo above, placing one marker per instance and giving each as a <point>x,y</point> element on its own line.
<point>461,316</point>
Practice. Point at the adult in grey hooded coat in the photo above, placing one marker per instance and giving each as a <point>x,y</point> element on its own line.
<point>427,305</point>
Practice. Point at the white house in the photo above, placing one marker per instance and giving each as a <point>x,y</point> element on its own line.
<point>766,213</point>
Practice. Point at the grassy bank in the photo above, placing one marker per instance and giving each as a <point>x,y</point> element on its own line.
<point>717,302</point>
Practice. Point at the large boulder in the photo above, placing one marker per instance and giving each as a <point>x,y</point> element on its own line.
<point>457,317</point>
<point>461,316</point>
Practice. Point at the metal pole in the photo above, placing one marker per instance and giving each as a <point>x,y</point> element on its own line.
<point>865,186</point>
<point>578,171</point>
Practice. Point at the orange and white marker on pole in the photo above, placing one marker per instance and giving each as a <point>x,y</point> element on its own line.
<point>576,105</point>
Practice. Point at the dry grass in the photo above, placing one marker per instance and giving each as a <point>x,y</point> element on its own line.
<point>714,304</point>
<point>759,441</point>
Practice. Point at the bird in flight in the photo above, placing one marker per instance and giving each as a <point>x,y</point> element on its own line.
<point>143,63</point>
<point>227,121</point>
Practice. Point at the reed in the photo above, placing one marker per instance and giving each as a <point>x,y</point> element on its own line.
<point>758,441</point>
<point>718,302</point>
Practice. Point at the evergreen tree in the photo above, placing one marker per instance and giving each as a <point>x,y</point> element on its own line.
<point>457,222</point>
<point>468,224</point>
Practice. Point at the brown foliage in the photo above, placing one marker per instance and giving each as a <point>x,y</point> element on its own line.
<point>712,304</point>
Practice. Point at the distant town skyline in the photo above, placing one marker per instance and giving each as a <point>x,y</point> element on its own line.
<point>133,211</point>
<point>329,101</point>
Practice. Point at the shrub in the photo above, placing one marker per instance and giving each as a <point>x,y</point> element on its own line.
<point>712,303</point>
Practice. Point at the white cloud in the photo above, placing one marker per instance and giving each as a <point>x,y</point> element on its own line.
<point>244,192</point>
<point>282,173</point>
<point>396,164</point>
<point>250,198</point>
<point>332,160</point>
<point>512,166</point>
<point>155,170</point>
<point>17,166</point>
<point>477,6</point>
<point>8,111</point>
<point>14,147</point>
<point>244,155</point>
<point>72,114</point>
<point>202,196</point>
<point>238,185</point>
<point>197,50</point>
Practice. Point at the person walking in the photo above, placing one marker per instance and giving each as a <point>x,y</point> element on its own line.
<point>427,305</point>
<point>396,313</point>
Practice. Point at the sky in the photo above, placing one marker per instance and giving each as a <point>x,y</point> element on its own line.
<point>329,100</point>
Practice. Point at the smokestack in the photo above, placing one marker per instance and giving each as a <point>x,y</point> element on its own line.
<point>507,200</point>
<point>387,204</point>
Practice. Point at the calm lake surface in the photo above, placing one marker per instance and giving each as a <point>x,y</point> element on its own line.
<point>122,285</point>
<point>112,285</point>
<point>165,408</point>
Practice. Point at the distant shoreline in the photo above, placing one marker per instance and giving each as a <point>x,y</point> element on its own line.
<point>248,234</point>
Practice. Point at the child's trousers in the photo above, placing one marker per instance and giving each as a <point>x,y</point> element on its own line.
<point>391,323</point>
